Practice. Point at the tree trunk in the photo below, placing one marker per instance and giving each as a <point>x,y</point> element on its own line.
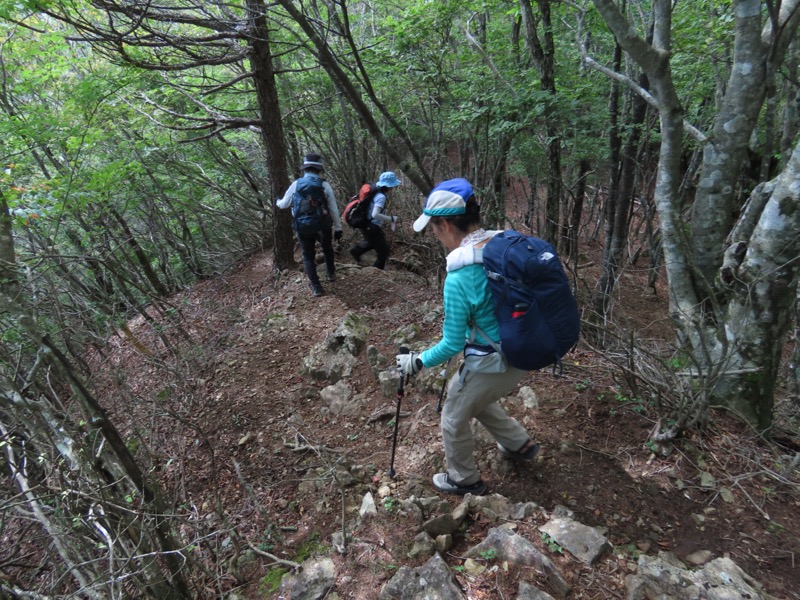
<point>573,230</point>
<point>756,56</point>
<point>413,168</point>
<point>112,473</point>
<point>760,266</point>
<point>791,114</point>
<point>761,277</point>
<point>272,133</point>
<point>141,256</point>
<point>543,55</point>
<point>724,156</point>
<point>618,229</point>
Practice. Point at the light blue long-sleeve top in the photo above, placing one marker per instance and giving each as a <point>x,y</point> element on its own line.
<point>376,213</point>
<point>467,299</point>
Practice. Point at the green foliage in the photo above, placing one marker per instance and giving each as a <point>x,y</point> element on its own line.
<point>310,547</point>
<point>632,552</point>
<point>635,404</point>
<point>271,582</point>
<point>489,554</point>
<point>679,362</point>
<point>551,544</point>
<point>390,503</point>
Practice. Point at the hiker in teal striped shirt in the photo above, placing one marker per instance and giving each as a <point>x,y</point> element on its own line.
<point>484,377</point>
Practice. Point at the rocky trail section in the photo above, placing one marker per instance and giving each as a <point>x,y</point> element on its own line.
<point>279,426</point>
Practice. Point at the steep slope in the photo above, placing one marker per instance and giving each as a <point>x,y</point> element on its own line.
<point>246,447</point>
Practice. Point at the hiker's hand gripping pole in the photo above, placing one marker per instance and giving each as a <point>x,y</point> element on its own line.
<point>400,394</point>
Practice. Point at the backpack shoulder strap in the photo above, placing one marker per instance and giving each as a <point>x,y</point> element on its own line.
<point>475,328</point>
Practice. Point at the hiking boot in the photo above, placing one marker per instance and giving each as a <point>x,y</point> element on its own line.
<point>443,483</point>
<point>331,276</point>
<point>317,290</point>
<point>528,451</point>
<point>356,256</point>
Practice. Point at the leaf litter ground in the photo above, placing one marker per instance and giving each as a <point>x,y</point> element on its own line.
<point>238,436</point>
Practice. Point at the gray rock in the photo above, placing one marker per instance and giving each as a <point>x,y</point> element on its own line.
<point>562,512</point>
<point>699,558</point>
<point>413,509</point>
<point>377,361</point>
<point>323,365</point>
<point>523,510</point>
<point>444,543</point>
<point>665,576</point>
<point>424,545</point>
<point>460,513</point>
<point>528,592</point>
<point>494,506</point>
<point>368,506</point>
<point>349,335</point>
<point>431,581</point>
<point>528,397</point>
<point>514,548</point>
<point>440,525</point>
<point>404,335</point>
<point>583,542</point>
<point>340,541</point>
<point>338,398</point>
<point>312,582</point>
<point>433,504</point>
<point>343,477</point>
<point>334,358</point>
<point>388,381</point>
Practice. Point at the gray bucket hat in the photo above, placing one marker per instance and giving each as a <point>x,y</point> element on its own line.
<point>313,161</point>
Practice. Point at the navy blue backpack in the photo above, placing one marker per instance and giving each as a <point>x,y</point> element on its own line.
<point>535,308</point>
<point>309,206</point>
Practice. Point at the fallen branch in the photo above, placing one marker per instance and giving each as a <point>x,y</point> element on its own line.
<point>280,561</point>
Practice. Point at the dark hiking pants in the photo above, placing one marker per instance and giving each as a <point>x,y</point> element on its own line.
<point>308,247</point>
<point>374,239</point>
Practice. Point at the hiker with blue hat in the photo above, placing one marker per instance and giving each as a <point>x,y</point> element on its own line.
<point>374,238</point>
<point>452,213</point>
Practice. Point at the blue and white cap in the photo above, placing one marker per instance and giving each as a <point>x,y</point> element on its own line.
<point>447,199</point>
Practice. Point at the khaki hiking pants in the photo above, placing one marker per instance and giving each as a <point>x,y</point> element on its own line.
<point>475,395</point>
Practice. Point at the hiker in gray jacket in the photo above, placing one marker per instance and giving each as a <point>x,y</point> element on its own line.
<point>313,168</point>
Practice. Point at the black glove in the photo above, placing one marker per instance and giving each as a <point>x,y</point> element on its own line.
<point>337,235</point>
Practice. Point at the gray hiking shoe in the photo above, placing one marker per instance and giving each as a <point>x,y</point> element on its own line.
<point>528,451</point>
<point>443,483</point>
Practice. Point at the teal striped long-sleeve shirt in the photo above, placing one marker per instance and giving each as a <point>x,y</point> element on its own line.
<point>467,299</point>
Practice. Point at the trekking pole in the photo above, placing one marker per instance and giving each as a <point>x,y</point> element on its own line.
<point>444,385</point>
<point>400,394</point>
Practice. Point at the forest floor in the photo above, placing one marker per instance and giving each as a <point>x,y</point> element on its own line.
<point>219,431</point>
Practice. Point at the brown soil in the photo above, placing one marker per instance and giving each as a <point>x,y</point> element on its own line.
<point>241,404</point>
